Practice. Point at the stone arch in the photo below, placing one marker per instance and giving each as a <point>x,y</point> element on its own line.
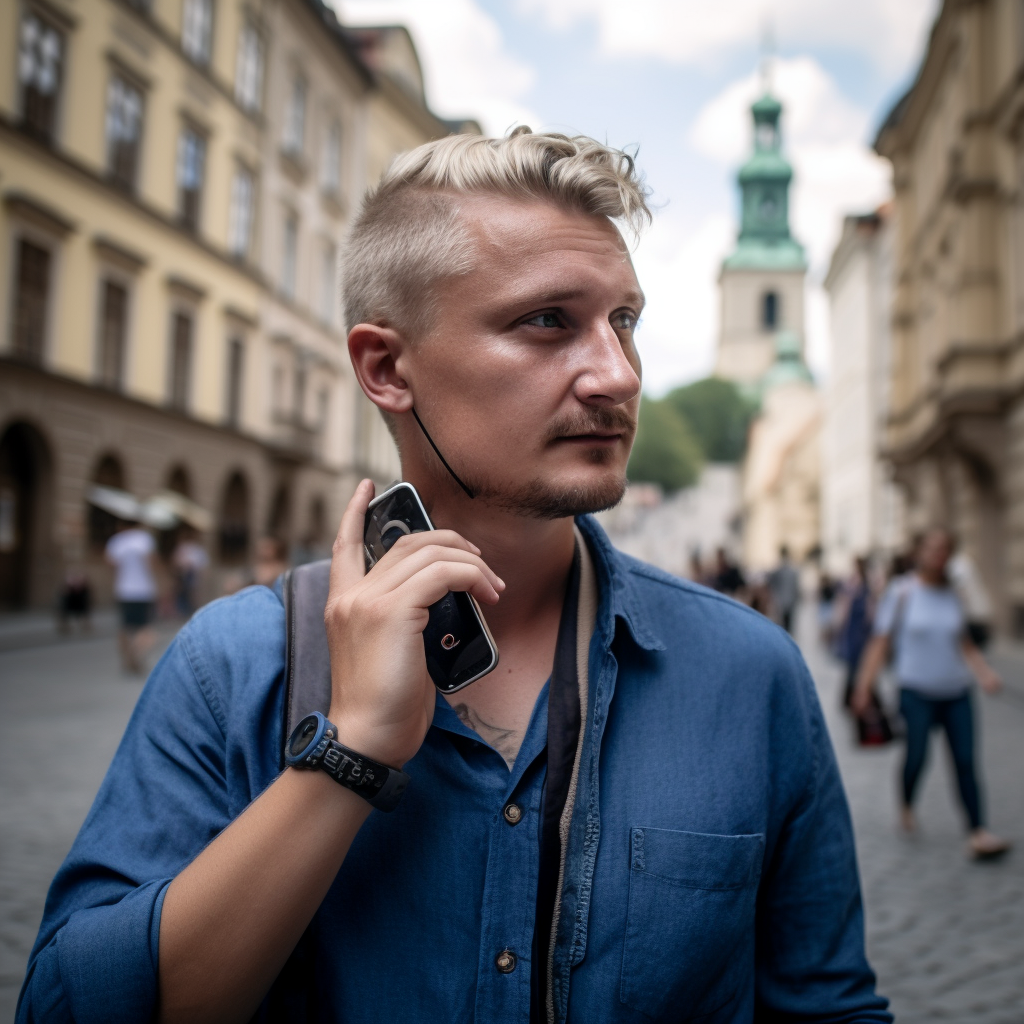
<point>279,520</point>
<point>179,480</point>
<point>233,533</point>
<point>27,560</point>
<point>101,524</point>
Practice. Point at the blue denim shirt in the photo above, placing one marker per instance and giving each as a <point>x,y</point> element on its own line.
<point>710,869</point>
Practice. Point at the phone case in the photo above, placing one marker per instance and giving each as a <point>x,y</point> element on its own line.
<point>458,645</point>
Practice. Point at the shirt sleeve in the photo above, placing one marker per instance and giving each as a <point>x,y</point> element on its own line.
<point>163,799</point>
<point>811,964</point>
<point>885,616</point>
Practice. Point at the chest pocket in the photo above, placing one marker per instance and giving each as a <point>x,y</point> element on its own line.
<point>690,921</point>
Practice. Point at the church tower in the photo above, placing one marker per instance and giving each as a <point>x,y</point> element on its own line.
<point>762,282</point>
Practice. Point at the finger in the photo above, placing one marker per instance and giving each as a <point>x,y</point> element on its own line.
<point>390,576</point>
<point>413,541</point>
<point>347,560</point>
<point>429,585</point>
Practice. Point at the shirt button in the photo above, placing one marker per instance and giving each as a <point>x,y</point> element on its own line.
<point>513,814</point>
<point>506,961</point>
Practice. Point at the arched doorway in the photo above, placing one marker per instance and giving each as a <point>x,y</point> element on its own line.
<point>109,472</point>
<point>279,522</point>
<point>179,481</point>
<point>25,477</point>
<point>234,521</point>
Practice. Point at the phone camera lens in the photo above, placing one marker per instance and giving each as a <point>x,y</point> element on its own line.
<point>391,532</point>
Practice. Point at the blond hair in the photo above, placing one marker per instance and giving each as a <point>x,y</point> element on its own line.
<point>408,235</point>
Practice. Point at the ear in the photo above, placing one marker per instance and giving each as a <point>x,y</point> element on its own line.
<point>375,352</point>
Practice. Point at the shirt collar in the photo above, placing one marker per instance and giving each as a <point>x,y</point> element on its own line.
<point>619,598</point>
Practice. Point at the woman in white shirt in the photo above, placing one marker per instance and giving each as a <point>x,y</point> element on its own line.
<point>936,663</point>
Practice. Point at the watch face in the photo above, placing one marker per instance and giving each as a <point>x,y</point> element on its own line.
<point>304,734</point>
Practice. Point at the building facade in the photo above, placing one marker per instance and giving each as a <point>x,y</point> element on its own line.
<point>176,180</point>
<point>955,431</point>
<point>860,504</point>
<point>761,283</point>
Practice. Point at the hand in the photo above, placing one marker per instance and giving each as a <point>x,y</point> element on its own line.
<point>860,700</point>
<point>382,696</point>
<point>990,680</point>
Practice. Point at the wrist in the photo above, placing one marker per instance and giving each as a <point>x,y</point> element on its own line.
<point>370,741</point>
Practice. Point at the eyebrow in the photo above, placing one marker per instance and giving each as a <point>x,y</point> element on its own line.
<point>635,298</point>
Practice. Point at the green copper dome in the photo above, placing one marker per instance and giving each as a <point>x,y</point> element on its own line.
<point>765,242</point>
<point>789,366</point>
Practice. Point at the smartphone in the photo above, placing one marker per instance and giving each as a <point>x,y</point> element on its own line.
<point>457,642</point>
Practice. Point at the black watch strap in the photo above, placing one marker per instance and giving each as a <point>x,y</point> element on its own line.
<point>382,787</point>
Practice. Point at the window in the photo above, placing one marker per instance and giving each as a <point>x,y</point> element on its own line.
<point>295,117</point>
<point>236,370</point>
<point>327,282</point>
<point>769,311</point>
<point>197,30</point>
<point>299,398</point>
<point>30,301</point>
<point>277,390</point>
<point>323,408</point>
<point>181,359</point>
<point>40,64</point>
<point>191,161</point>
<point>243,190</point>
<point>124,131</point>
<point>113,332</point>
<point>331,168</point>
<point>249,69</point>
<point>289,257</point>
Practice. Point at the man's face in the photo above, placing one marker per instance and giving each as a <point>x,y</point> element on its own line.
<point>529,380</point>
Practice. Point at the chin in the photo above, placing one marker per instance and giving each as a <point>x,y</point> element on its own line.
<point>558,497</point>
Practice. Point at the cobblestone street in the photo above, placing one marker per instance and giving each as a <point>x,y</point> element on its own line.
<point>945,935</point>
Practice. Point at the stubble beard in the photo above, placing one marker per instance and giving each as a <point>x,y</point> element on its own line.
<point>542,499</point>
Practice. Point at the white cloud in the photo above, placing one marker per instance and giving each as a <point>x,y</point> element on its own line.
<point>695,32</point>
<point>467,70</point>
<point>678,271</point>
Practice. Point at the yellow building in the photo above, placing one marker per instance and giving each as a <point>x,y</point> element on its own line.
<point>176,178</point>
<point>955,429</point>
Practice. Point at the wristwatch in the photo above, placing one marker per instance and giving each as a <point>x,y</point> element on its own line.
<point>312,744</point>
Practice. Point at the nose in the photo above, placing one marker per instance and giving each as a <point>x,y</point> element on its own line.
<point>609,376</point>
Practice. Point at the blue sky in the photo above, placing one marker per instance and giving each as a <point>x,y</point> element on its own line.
<point>675,78</point>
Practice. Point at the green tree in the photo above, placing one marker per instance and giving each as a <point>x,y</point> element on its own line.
<point>718,414</point>
<point>665,451</point>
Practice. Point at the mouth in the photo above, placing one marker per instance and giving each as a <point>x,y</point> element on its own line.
<point>595,439</point>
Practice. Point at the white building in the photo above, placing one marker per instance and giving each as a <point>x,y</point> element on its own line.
<point>861,510</point>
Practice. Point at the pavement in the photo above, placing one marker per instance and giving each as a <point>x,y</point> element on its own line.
<point>945,935</point>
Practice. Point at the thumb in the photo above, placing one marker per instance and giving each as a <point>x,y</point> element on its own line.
<point>348,565</point>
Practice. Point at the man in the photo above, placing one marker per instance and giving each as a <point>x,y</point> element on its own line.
<point>635,817</point>
<point>130,551</point>
<point>784,587</point>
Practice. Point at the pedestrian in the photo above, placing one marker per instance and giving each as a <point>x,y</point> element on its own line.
<point>920,619</point>
<point>75,603</point>
<point>828,595</point>
<point>271,560</point>
<point>727,577</point>
<point>130,551</point>
<point>637,816</point>
<point>784,587</point>
<point>853,623</point>
<point>190,562</point>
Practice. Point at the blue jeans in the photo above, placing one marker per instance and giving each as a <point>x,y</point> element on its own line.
<point>956,716</point>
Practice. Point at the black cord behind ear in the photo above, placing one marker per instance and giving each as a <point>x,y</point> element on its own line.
<point>437,452</point>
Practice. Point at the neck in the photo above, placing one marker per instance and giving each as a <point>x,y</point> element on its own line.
<point>532,556</point>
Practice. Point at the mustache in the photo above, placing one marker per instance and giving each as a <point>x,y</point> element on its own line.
<point>593,421</point>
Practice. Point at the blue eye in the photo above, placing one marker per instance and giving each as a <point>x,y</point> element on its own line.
<point>624,321</point>
<point>545,320</point>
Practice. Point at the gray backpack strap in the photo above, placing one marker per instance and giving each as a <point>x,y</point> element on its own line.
<point>306,657</point>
